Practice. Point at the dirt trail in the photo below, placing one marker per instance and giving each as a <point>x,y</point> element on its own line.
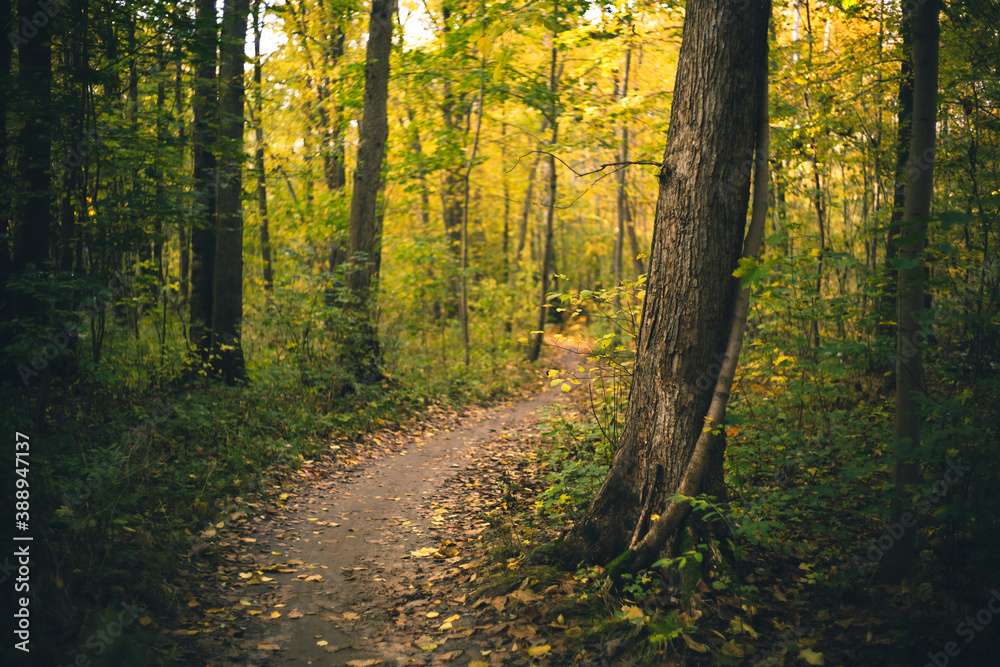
<point>363,556</point>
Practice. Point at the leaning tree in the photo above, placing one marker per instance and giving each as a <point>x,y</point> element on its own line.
<point>690,329</point>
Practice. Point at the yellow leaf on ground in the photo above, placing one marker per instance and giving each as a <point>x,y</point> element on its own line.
<point>350,616</point>
<point>275,614</point>
<point>812,657</point>
<point>425,643</point>
<point>426,552</point>
<point>632,612</point>
<point>536,651</point>
<point>693,645</point>
<point>268,647</point>
<point>322,642</point>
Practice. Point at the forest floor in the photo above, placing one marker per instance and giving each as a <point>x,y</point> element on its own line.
<point>365,556</point>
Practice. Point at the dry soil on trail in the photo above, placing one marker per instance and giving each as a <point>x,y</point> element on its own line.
<point>368,564</point>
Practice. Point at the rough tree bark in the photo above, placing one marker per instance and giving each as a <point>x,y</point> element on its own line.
<point>900,560</point>
<point>697,239</point>
<point>364,236</point>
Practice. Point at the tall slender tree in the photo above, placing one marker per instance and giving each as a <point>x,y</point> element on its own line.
<point>227,299</point>
<point>365,234</point>
<point>205,110</point>
<point>900,560</point>
<point>535,347</point>
<point>265,233</point>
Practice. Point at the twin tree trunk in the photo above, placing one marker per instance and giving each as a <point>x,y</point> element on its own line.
<point>697,239</point>
<point>364,245</point>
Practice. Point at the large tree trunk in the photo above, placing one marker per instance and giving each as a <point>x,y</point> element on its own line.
<point>204,108</point>
<point>227,300</point>
<point>697,239</point>
<point>364,246</point>
<point>900,560</point>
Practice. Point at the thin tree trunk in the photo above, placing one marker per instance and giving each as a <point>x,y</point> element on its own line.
<point>637,263</point>
<point>265,236</point>
<point>227,301</point>
<point>820,206</point>
<point>689,304</point>
<point>364,240</point>
<point>622,176</point>
<point>526,212</point>
<point>900,560</point>
<point>205,111</point>
<point>550,213</point>
<point>463,301</point>
<point>184,250</point>
<point>903,130</point>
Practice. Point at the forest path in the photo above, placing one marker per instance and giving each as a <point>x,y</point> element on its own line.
<point>365,564</point>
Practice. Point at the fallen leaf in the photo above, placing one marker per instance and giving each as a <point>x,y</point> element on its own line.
<point>268,647</point>
<point>426,552</point>
<point>275,614</point>
<point>322,642</point>
<point>812,657</point>
<point>364,663</point>
<point>350,616</point>
<point>693,645</point>
<point>425,643</point>
<point>536,651</point>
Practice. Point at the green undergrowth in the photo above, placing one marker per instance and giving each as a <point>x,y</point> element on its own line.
<point>792,578</point>
<point>131,471</point>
